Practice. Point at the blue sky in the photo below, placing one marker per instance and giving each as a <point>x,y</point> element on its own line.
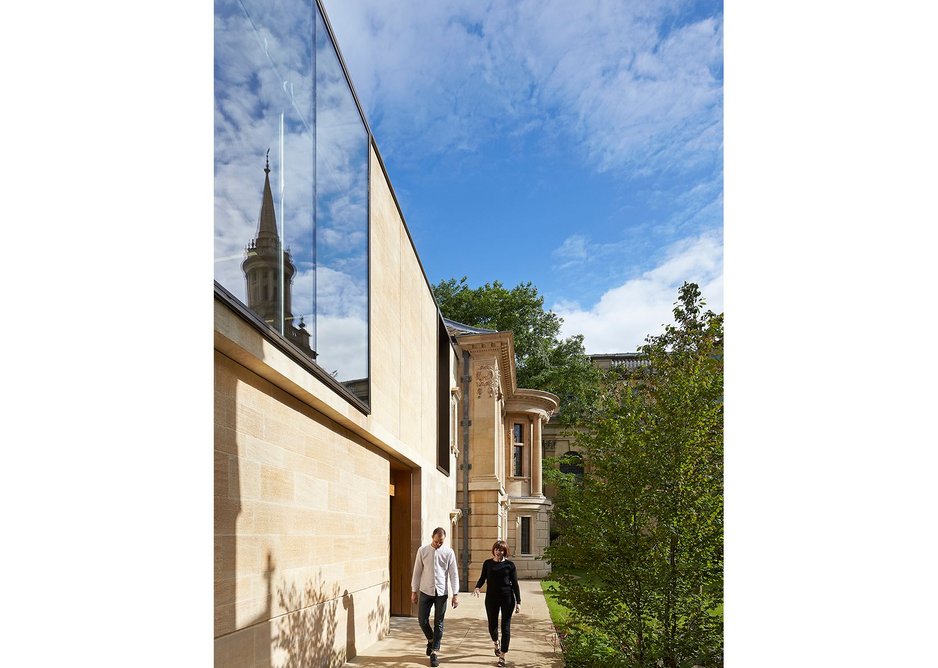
<point>578,146</point>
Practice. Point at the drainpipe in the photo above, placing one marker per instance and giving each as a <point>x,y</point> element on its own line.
<point>465,423</point>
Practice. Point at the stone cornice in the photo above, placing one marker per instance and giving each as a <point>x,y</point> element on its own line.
<point>490,484</point>
<point>540,403</point>
<point>500,345</point>
<point>520,503</point>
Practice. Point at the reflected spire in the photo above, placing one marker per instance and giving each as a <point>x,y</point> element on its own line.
<point>268,272</point>
<point>267,220</point>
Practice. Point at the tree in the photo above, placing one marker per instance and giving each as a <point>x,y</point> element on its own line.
<point>639,560</point>
<point>543,360</point>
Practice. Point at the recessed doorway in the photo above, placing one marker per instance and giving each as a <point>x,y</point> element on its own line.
<point>401,496</point>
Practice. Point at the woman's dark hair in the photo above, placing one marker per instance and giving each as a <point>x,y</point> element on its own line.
<point>503,546</point>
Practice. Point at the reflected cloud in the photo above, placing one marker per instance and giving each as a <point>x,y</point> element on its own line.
<point>279,88</point>
<point>340,339</point>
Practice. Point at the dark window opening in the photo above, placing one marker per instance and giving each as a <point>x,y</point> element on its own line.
<point>443,402</point>
<point>572,462</point>
<point>517,432</point>
<point>525,535</point>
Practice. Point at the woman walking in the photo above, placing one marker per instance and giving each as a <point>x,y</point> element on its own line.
<point>501,595</point>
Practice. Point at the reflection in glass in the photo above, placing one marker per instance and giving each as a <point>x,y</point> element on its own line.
<point>283,104</point>
<point>341,220</point>
<point>268,274</point>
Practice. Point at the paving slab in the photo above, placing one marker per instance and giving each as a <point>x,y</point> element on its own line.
<point>466,641</point>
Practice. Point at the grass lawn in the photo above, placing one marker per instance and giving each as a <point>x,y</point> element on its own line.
<point>558,613</point>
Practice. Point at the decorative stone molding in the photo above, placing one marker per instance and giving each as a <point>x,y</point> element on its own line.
<point>536,403</point>
<point>455,394</point>
<point>454,516</point>
<point>487,380</point>
<point>499,348</point>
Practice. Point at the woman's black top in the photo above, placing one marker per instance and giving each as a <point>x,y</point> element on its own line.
<point>502,579</point>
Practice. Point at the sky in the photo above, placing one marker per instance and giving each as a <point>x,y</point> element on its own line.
<point>578,146</point>
<point>831,225</point>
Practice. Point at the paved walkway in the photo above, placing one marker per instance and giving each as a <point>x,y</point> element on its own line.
<point>466,641</point>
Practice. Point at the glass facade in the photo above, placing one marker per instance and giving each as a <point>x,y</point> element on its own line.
<point>291,183</point>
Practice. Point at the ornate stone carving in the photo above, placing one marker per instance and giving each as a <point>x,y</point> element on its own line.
<point>487,380</point>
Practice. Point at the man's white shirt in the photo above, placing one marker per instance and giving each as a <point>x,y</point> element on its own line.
<point>433,570</point>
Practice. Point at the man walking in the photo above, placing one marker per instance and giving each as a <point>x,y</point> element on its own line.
<point>435,577</point>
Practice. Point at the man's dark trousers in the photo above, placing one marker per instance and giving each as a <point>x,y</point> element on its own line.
<point>438,603</point>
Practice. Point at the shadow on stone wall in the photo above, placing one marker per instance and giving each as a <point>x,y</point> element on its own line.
<point>307,636</point>
<point>378,617</point>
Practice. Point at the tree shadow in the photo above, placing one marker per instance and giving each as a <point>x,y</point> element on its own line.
<point>378,618</point>
<point>306,632</point>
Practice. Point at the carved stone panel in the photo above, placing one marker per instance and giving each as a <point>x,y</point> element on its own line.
<point>487,381</point>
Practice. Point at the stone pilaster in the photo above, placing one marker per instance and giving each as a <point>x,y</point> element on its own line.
<point>536,457</point>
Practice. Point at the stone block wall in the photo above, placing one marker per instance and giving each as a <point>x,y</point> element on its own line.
<point>301,529</point>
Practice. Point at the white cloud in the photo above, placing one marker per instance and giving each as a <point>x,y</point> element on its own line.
<point>625,87</point>
<point>572,251</point>
<point>625,315</point>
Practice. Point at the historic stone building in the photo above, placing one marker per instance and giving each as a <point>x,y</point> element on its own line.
<point>350,417</point>
<point>560,440</point>
<point>501,434</point>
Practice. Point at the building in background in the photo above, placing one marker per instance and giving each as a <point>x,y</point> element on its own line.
<point>560,440</point>
<point>500,433</point>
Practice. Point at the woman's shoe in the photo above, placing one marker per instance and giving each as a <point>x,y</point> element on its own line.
<point>497,650</point>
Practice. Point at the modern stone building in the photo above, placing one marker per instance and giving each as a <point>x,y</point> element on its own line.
<point>350,418</point>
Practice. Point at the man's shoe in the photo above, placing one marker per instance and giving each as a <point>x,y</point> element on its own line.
<point>429,647</point>
<point>433,660</point>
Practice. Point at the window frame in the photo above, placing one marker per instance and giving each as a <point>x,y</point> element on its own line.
<point>521,536</point>
<point>444,404</point>
<point>287,347</point>
<point>517,451</point>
